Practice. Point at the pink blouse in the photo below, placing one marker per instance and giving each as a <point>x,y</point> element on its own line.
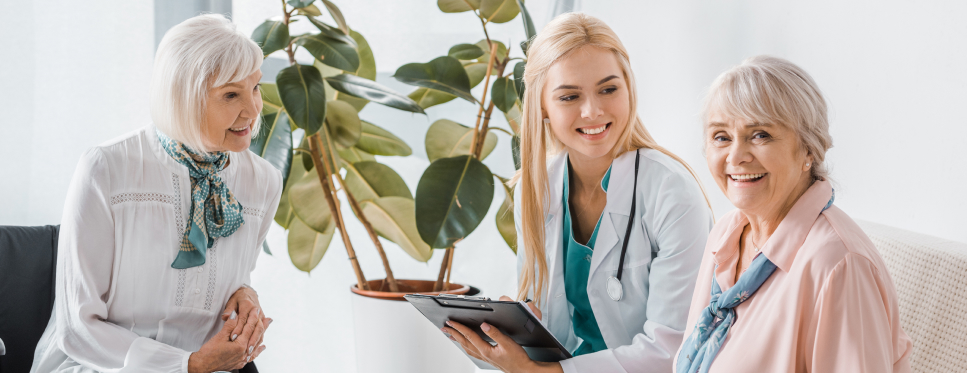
<point>830,306</point>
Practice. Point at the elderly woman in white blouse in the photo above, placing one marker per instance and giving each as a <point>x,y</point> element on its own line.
<point>162,226</point>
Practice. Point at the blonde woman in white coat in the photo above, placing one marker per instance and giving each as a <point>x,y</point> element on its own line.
<point>582,145</point>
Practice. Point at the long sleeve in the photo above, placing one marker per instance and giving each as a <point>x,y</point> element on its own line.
<point>680,221</point>
<point>852,328</point>
<point>85,268</point>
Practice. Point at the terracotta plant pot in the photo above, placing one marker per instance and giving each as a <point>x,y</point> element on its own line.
<point>406,287</point>
<point>393,336</point>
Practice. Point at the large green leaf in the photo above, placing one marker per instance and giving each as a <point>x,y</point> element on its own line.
<point>453,196</point>
<point>371,180</point>
<point>457,6</point>
<point>344,124</point>
<point>300,3</point>
<point>332,32</point>
<point>367,62</point>
<point>308,201</point>
<point>392,218</point>
<point>503,94</point>
<point>529,29</point>
<point>444,74</point>
<point>274,142</point>
<point>519,79</point>
<point>378,141</point>
<point>515,151</point>
<point>332,52</point>
<point>271,102</point>
<point>303,96</point>
<point>337,15</point>
<point>307,246</point>
<point>446,138</point>
<point>354,154</point>
<point>271,36</point>
<point>284,215</point>
<point>465,51</point>
<point>367,69</point>
<point>499,11</point>
<point>501,54</point>
<point>513,116</point>
<point>310,10</point>
<point>505,216</point>
<point>426,97</point>
<point>372,91</point>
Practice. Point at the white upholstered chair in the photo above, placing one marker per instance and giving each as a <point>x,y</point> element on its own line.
<point>930,274</point>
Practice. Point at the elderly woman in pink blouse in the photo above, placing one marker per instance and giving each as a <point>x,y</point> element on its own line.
<point>788,282</point>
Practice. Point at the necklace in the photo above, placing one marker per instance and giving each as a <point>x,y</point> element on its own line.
<point>754,246</point>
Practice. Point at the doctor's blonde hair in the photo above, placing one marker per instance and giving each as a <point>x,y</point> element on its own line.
<point>563,35</point>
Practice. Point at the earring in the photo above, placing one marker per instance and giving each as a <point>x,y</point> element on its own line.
<point>547,120</point>
<point>807,164</point>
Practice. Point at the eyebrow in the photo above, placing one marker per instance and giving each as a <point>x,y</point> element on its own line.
<point>602,81</point>
<point>750,125</point>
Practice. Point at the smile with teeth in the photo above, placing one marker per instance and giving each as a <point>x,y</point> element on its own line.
<point>239,129</point>
<point>747,177</point>
<point>594,131</point>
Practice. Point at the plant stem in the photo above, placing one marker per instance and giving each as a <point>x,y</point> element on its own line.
<point>478,146</point>
<point>443,270</point>
<point>446,285</point>
<point>288,48</point>
<point>322,169</point>
<point>390,280</point>
<point>476,126</point>
<point>501,130</point>
<point>483,23</point>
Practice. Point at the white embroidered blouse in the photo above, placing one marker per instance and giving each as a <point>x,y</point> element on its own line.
<point>119,305</point>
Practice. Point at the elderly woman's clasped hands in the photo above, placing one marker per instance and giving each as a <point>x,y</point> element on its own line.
<point>240,339</point>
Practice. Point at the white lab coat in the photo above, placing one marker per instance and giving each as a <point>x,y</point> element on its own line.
<point>645,328</point>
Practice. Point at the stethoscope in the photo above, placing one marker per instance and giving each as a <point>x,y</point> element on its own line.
<point>614,282</point>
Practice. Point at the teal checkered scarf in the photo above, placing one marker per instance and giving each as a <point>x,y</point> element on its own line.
<point>214,211</point>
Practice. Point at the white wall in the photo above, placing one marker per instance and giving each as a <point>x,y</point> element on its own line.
<point>894,73</point>
<point>73,74</point>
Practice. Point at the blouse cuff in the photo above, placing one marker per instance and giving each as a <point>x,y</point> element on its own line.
<point>184,362</point>
<point>148,355</point>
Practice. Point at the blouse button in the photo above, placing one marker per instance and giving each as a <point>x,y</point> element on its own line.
<point>197,291</point>
<point>199,270</point>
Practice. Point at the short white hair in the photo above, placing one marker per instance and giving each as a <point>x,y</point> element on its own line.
<point>196,55</point>
<point>769,89</point>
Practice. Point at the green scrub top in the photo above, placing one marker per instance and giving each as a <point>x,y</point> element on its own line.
<point>577,268</point>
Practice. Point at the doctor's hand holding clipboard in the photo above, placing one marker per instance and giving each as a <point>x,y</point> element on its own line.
<point>506,355</point>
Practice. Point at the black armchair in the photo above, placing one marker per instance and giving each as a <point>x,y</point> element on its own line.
<point>28,257</point>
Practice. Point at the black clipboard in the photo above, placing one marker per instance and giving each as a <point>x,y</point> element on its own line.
<point>513,319</point>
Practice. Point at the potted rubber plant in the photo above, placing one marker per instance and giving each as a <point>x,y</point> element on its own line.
<point>453,195</point>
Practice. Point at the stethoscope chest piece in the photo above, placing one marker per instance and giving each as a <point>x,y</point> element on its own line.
<point>614,288</point>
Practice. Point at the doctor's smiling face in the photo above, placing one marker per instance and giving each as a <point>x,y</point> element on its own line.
<point>586,99</point>
<point>762,168</point>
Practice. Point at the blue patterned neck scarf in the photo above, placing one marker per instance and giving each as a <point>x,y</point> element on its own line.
<point>214,211</point>
<point>714,323</point>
